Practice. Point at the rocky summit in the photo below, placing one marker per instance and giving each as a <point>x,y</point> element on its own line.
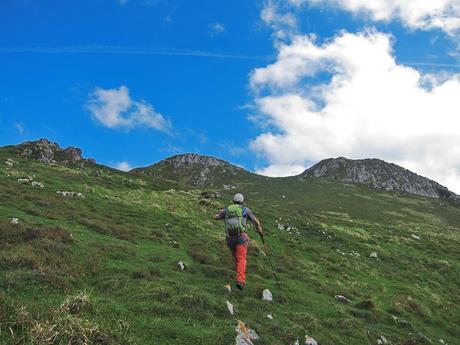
<point>49,152</point>
<point>378,174</point>
<point>195,170</point>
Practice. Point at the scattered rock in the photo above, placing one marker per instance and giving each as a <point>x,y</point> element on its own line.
<point>270,316</point>
<point>442,341</point>
<point>296,342</point>
<point>9,162</point>
<point>228,287</point>
<point>230,308</point>
<point>181,265</point>
<point>310,341</point>
<point>415,236</point>
<point>355,254</point>
<point>283,196</point>
<point>71,194</point>
<point>267,295</point>
<point>210,195</point>
<point>37,184</point>
<point>15,220</point>
<point>374,255</point>
<point>25,180</point>
<point>342,299</point>
<point>382,340</point>
<point>245,334</point>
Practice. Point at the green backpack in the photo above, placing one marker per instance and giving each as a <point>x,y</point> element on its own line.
<point>234,219</point>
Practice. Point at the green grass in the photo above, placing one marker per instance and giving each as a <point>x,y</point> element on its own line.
<point>121,243</point>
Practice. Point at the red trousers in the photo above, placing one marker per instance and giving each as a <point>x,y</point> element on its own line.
<point>239,248</point>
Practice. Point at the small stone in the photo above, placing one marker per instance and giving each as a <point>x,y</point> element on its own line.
<point>230,308</point>
<point>23,180</point>
<point>342,299</point>
<point>382,340</point>
<point>415,236</point>
<point>37,184</point>
<point>228,287</point>
<point>270,316</point>
<point>296,342</point>
<point>245,334</point>
<point>374,255</point>
<point>310,341</point>
<point>442,341</point>
<point>181,265</point>
<point>9,163</point>
<point>267,295</point>
<point>14,220</point>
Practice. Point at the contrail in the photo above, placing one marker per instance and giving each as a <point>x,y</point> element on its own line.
<point>431,64</point>
<point>119,50</point>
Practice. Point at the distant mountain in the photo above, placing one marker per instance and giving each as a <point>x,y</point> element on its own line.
<point>198,170</point>
<point>378,174</point>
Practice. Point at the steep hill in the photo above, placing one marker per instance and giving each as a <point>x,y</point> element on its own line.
<point>88,252</point>
<point>378,174</point>
<point>196,170</point>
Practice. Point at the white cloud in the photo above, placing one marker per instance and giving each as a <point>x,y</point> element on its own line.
<point>216,29</point>
<point>123,166</point>
<point>281,22</point>
<point>20,128</point>
<point>415,14</point>
<point>370,106</point>
<point>280,170</point>
<point>114,108</point>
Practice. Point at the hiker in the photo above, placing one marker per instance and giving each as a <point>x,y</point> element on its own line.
<point>236,216</point>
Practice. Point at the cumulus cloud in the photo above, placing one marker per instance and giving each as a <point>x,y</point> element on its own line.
<point>123,166</point>
<point>115,108</point>
<point>282,23</point>
<point>415,14</point>
<point>349,97</point>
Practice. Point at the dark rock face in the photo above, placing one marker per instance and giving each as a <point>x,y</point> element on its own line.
<point>378,174</point>
<point>48,152</point>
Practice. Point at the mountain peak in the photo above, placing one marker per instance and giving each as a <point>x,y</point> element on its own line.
<point>379,174</point>
<point>185,159</point>
<point>47,152</point>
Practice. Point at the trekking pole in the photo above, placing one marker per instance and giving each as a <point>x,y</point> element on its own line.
<point>270,262</point>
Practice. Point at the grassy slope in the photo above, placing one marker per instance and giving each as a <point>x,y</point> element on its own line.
<point>130,231</point>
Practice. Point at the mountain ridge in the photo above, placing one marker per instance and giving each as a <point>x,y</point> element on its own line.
<point>197,170</point>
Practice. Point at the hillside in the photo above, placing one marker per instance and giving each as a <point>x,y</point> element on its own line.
<point>88,251</point>
<point>378,174</point>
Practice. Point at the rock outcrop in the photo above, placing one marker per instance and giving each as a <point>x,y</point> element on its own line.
<point>49,152</point>
<point>378,174</point>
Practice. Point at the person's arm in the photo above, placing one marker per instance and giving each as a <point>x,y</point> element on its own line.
<point>220,215</point>
<point>256,222</point>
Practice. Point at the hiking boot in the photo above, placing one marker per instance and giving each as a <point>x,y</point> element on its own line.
<point>240,286</point>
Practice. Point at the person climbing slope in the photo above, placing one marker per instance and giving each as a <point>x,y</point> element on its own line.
<point>236,216</point>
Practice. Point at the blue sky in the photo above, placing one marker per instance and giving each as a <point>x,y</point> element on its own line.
<point>136,81</point>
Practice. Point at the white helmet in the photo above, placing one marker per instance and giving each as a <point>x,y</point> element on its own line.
<point>238,198</point>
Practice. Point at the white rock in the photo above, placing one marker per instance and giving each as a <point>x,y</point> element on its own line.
<point>245,334</point>
<point>37,184</point>
<point>342,298</point>
<point>310,341</point>
<point>415,236</point>
<point>23,180</point>
<point>270,316</point>
<point>267,295</point>
<point>181,265</point>
<point>442,341</point>
<point>15,220</point>
<point>9,163</point>
<point>382,340</point>
<point>373,255</point>
<point>230,308</point>
<point>296,342</point>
